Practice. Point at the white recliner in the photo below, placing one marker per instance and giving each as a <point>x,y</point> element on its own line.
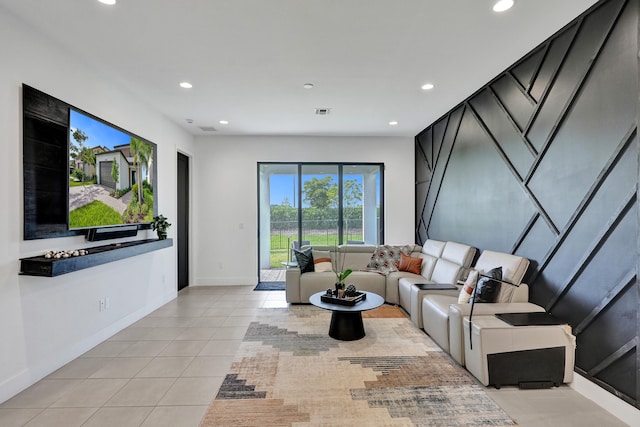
<point>450,262</point>
<point>442,315</point>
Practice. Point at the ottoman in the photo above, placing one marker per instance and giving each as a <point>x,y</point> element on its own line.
<point>534,356</point>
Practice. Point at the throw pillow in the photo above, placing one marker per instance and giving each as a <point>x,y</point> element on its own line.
<point>488,286</point>
<point>322,261</point>
<point>305,259</point>
<point>410,264</point>
<point>386,257</point>
<point>469,286</point>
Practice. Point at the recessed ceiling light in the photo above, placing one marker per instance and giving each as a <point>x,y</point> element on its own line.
<point>503,5</point>
<point>186,85</point>
<point>224,122</point>
<point>109,2</point>
<point>427,86</point>
<point>393,123</point>
<point>308,85</point>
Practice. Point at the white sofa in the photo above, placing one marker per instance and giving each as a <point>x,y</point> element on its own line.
<point>449,263</point>
<point>442,316</point>
<point>299,287</point>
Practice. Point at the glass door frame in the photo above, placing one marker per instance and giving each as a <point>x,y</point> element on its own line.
<point>299,189</point>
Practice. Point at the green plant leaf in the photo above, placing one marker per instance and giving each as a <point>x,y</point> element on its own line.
<point>345,274</point>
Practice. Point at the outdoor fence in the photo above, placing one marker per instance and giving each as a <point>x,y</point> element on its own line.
<point>318,232</point>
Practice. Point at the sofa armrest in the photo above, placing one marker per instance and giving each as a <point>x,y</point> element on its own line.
<point>458,311</point>
<point>292,285</point>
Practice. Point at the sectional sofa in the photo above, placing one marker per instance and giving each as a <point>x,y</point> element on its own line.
<point>437,311</point>
<point>442,262</point>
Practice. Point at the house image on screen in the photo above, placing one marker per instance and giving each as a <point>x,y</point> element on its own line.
<point>88,169</point>
<point>127,174</point>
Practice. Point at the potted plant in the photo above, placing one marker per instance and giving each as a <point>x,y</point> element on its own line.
<point>341,274</point>
<point>160,224</point>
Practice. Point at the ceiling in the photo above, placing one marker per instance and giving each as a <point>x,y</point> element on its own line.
<point>248,59</point>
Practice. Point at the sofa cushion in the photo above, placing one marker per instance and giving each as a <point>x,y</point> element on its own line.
<point>488,286</point>
<point>433,248</point>
<point>469,286</point>
<point>305,259</point>
<point>435,316</point>
<point>410,264</point>
<point>352,257</point>
<point>322,261</point>
<point>458,253</point>
<point>514,267</point>
<point>446,272</point>
<point>428,263</point>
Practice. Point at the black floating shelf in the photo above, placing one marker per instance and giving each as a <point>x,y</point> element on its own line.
<point>41,266</point>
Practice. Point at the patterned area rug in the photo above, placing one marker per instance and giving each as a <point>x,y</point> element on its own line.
<point>289,372</point>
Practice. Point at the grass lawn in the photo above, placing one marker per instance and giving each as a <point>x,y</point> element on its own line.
<point>94,214</point>
<point>73,183</point>
<point>279,254</point>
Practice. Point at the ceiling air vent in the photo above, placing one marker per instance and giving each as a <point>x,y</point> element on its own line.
<point>323,111</point>
<point>207,129</point>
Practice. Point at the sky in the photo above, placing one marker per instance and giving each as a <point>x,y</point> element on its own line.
<point>282,186</point>
<point>98,132</point>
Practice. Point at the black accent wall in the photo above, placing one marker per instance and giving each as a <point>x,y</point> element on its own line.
<point>543,162</point>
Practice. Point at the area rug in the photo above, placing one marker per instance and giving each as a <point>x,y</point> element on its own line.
<point>289,372</point>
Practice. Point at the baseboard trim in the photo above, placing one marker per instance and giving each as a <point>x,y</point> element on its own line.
<point>53,362</point>
<point>609,402</point>
<point>226,281</point>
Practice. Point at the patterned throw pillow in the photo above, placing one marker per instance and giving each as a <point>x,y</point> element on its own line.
<point>410,264</point>
<point>386,258</point>
<point>305,260</point>
<point>322,261</point>
<point>469,286</point>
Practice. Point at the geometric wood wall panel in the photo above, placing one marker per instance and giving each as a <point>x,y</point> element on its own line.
<point>543,162</point>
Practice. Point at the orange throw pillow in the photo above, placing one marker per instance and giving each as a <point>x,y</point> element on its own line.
<point>410,264</point>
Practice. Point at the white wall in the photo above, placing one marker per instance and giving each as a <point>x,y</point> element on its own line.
<point>45,322</point>
<point>226,194</point>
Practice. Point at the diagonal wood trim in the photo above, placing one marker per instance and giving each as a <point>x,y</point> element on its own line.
<point>574,94</point>
<point>536,73</point>
<point>554,75</point>
<point>515,173</point>
<point>521,88</point>
<point>525,232</point>
<point>446,163</point>
<point>593,248</point>
<point>606,170</point>
<point>502,107</point>
<point>629,345</point>
<point>624,283</point>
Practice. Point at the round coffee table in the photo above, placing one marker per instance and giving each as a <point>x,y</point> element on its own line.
<point>346,321</point>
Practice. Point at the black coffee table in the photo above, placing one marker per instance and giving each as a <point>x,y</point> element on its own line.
<point>346,321</point>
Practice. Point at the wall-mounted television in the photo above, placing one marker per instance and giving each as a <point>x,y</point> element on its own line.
<point>83,175</point>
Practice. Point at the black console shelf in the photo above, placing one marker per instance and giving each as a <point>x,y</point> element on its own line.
<point>48,267</point>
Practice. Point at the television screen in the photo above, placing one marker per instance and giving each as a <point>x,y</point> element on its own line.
<point>110,174</point>
<point>82,175</point>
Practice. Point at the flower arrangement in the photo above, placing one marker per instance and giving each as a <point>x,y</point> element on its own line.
<point>338,265</point>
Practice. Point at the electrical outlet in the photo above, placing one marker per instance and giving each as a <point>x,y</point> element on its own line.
<point>103,304</point>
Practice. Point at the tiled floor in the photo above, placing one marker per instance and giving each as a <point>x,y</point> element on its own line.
<point>166,368</point>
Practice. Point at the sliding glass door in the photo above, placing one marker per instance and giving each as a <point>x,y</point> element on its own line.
<point>318,204</point>
<point>320,218</point>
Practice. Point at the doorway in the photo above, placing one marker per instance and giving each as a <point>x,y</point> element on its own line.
<point>315,204</point>
<point>182,232</point>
